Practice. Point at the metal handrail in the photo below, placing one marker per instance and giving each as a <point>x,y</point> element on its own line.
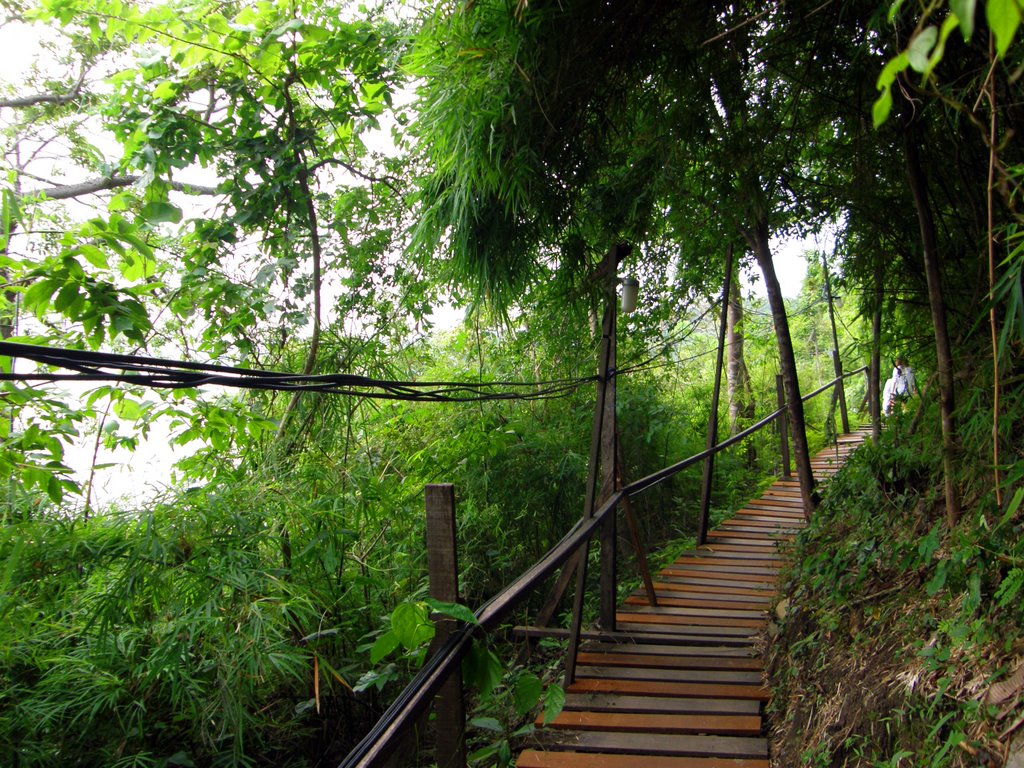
<point>414,699</point>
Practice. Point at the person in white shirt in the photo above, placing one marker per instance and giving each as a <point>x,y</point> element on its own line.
<point>899,387</point>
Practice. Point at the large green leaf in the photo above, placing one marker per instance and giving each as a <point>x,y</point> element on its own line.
<point>159,212</point>
<point>1003,18</point>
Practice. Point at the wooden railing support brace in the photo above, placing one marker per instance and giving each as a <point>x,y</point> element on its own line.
<point>443,573</point>
<point>709,462</point>
<point>780,397</point>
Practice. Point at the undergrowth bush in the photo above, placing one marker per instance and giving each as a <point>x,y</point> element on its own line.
<point>897,630</point>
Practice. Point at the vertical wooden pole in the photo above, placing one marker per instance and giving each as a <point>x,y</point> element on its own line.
<point>609,460</point>
<point>443,572</point>
<point>709,462</point>
<point>780,397</point>
<point>837,363</point>
<point>634,530</point>
<point>602,454</point>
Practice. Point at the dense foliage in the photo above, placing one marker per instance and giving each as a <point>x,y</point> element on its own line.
<point>310,187</point>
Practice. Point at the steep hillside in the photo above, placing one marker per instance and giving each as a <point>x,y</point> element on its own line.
<point>899,640</point>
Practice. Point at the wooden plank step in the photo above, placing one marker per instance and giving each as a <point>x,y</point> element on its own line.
<point>719,574</point>
<point>765,560</point>
<point>665,688</point>
<point>723,725</point>
<point>669,601</point>
<point>732,553</point>
<point>694,635</point>
<point>766,521</point>
<point>532,758</point>
<point>704,611</point>
<point>737,526</point>
<point>712,566</point>
<point>750,539</point>
<point>667,661</point>
<point>638,634</point>
<point>672,583</point>
<point>743,550</point>
<point>670,650</point>
<point>664,619</point>
<point>718,676</point>
<point>610,702</point>
<point>766,518</point>
<point>778,506</point>
<point>661,744</point>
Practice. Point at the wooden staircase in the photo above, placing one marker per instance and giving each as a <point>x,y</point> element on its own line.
<point>681,686</point>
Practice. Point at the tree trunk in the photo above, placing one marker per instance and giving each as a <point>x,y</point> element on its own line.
<point>943,352</point>
<point>739,391</point>
<point>874,393</point>
<point>758,241</point>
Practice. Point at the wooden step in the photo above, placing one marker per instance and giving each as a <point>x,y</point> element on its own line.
<point>532,758</point>
<point>717,676</point>
<point>662,744</point>
<point>653,648</point>
<point>723,725</point>
<point>667,661</point>
<point>662,618</point>
<point>660,705</point>
<point>666,599</point>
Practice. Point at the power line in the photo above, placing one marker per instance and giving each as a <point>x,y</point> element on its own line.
<point>171,374</point>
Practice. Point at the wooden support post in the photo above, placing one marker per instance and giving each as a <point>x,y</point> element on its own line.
<point>443,572</point>
<point>634,530</point>
<point>837,367</point>
<point>602,458</point>
<point>780,396</point>
<point>712,439</point>
<point>609,460</point>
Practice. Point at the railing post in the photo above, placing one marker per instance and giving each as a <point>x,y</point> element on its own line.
<point>780,396</point>
<point>709,462</point>
<point>443,573</point>
<point>837,366</point>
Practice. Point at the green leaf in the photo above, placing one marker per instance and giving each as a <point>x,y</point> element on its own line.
<point>881,108</point>
<point>411,625</point>
<point>93,255</point>
<point>527,692</point>
<point>1003,18</point>
<point>482,669</point>
<point>165,91</point>
<point>487,724</point>
<point>1011,508</point>
<point>938,581</point>
<point>921,46</point>
<point>554,702</point>
<point>383,646</point>
<point>453,610</point>
<point>1009,588</point>
<point>964,11</point>
<point>128,409</point>
<point>160,212</point>
<point>951,23</point>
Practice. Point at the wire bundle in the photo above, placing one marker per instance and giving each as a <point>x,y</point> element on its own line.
<point>171,374</point>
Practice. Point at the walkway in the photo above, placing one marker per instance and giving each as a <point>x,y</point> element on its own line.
<point>682,686</point>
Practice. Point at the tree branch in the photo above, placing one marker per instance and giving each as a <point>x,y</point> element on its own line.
<point>389,181</point>
<point>21,102</point>
<point>102,184</point>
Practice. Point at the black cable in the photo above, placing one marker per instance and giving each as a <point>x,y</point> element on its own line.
<point>156,372</point>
